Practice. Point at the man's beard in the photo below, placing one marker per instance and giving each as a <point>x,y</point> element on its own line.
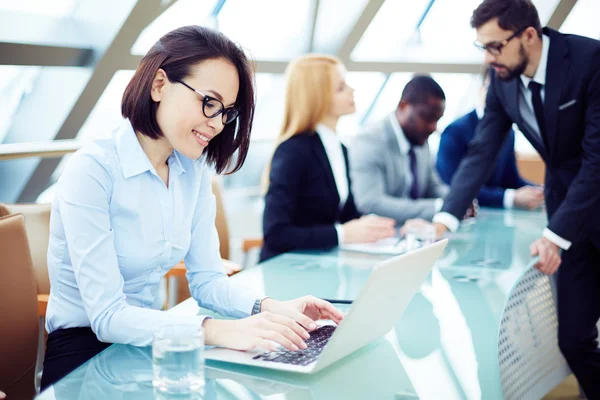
<point>516,71</point>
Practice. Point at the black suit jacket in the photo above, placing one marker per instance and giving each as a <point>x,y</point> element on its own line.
<point>572,141</point>
<point>302,203</point>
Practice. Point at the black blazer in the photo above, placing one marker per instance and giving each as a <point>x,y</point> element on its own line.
<point>302,203</point>
<point>572,141</point>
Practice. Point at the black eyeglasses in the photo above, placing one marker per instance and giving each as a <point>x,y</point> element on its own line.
<point>212,107</point>
<point>495,48</point>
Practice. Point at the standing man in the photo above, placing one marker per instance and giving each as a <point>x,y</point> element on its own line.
<point>390,164</point>
<point>549,84</point>
<point>504,188</point>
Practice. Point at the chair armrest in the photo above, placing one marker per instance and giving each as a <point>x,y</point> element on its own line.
<point>249,244</point>
<point>42,304</point>
<point>230,267</point>
<point>178,270</point>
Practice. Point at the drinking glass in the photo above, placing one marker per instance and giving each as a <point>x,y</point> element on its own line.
<point>419,235</point>
<point>178,359</point>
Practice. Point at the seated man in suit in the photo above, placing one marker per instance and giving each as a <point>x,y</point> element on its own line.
<point>391,168</point>
<point>504,188</point>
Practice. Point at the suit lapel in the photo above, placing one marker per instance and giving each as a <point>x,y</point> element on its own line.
<point>556,75</point>
<point>513,89</point>
<point>390,138</point>
<point>392,149</point>
<point>323,160</point>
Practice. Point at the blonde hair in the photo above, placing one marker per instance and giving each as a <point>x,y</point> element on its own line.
<point>308,97</point>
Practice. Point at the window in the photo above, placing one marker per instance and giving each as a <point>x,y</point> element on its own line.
<point>268,29</point>
<point>54,8</point>
<point>182,13</point>
<point>580,20</point>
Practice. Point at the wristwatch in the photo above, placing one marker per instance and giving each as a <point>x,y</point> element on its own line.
<point>256,307</point>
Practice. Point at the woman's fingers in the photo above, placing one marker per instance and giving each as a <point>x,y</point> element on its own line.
<point>288,329</point>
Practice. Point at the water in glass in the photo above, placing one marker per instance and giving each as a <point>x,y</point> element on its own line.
<point>178,360</point>
<point>419,235</point>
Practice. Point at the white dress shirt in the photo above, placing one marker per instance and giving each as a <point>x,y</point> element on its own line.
<point>404,146</point>
<point>335,154</point>
<point>528,114</point>
<point>115,231</point>
<point>525,95</point>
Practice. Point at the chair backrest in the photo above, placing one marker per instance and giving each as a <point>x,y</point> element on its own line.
<point>221,220</point>
<point>18,311</point>
<point>37,225</point>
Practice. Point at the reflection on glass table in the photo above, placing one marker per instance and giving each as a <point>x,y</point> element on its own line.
<point>446,344</point>
<point>125,372</point>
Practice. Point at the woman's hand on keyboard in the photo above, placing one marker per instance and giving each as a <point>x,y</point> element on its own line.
<point>264,330</point>
<point>304,310</point>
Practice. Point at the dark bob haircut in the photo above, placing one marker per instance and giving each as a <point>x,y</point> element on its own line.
<point>176,53</point>
<point>512,15</point>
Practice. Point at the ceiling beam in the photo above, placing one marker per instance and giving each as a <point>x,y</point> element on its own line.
<point>421,68</point>
<point>44,30</point>
<point>278,67</point>
<point>361,25</point>
<point>560,13</point>
<point>313,27</point>
<point>56,148</point>
<point>143,13</point>
<point>44,55</point>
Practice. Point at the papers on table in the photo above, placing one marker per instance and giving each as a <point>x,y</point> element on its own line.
<point>385,246</point>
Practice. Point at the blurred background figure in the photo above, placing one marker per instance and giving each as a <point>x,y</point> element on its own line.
<point>392,170</point>
<point>309,203</point>
<point>505,188</point>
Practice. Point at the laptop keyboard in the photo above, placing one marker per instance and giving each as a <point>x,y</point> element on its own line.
<point>316,342</point>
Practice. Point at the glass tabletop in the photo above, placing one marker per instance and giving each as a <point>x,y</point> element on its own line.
<point>444,346</point>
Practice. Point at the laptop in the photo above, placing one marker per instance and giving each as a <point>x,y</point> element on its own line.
<point>388,380</point>
<point>377,308</point>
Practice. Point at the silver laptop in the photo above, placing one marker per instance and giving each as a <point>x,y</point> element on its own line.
<point>376,310</point>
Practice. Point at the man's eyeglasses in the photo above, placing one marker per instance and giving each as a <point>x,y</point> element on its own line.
<point>212,107</point>
<point>495,48</point>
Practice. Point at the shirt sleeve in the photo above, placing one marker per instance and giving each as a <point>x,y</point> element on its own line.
<point>447,219</point>
<point>509,198</point>
<point>84,195</point>
<point>557,240</point>
<point>340,233</point>
<point>209,285</point>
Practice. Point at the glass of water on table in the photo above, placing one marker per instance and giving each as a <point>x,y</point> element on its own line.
<point>419,233</point>
<point>178,359</point>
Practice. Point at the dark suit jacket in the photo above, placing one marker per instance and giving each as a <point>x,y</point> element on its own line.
<point>572,143</point>
<point>453,147</point>
<point>302,203</point>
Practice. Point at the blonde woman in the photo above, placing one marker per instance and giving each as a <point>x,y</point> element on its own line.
<point>309,203</point>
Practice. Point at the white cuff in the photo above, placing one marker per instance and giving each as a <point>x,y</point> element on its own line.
<point>509,198</point>
<point>557,240</point>
<point>439,203</point>
<point>447,219</point>
<point>340,233</point>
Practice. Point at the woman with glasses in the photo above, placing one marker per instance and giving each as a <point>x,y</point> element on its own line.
<point>131,206</point>
<point>309,202</point>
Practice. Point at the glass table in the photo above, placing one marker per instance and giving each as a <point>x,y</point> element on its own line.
<point>483,326</point>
